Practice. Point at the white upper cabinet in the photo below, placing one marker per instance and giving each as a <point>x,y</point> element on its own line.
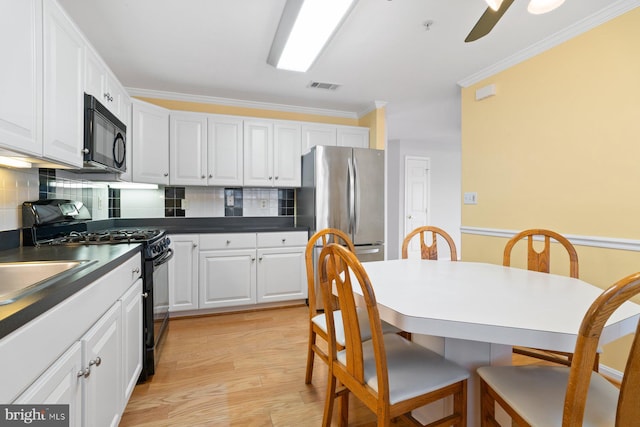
<point>271,154</point>
<point>258,153</point>
<point>225,151</point>
<point>317,134</point>
<point>21,76</point>
<point>150,143</point>
<point>63,88</point>
<point>188,149</point>
<point>352,136</point>
<point>99,82</point>
<point>286,154</point>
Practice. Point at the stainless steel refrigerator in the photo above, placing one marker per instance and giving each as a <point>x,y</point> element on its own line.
<point>343,188</point>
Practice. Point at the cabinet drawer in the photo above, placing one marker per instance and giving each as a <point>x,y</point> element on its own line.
<point>227,241</point>
<point>282,239</point>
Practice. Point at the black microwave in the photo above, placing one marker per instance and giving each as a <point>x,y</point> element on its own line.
<point>105,137</point>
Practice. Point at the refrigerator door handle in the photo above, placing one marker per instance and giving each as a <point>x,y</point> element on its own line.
<point>356,197</point>
<point>351,195</point>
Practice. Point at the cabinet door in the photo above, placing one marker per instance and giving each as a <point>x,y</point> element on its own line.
<point>258,153</point>
<point>349,136</point>
<point>188,149</point>
<point>21,76</point>
<point>286,154</point>
<point>63,88</point>
<point>102,355</point>
<point>281,274</point>
<point>94,74</point>
<point>317,134</point>
<point>227,278</point>
<point>150,143</point>
<point>131,305</point>
<point>225,151</point>
<point>126,116</point>
<point>60,384</point>
<point>183,273</point>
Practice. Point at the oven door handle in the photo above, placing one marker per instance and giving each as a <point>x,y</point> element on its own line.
<point>164,258</point>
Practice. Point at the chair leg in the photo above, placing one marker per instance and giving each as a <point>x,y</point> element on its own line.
<point>460,404</point>
<point>344,408</point>
<point>487,407</point>
<point>310,356</point>
<point>328,403</point>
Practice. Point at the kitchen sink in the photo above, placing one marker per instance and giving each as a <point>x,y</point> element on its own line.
<point>18,279</point>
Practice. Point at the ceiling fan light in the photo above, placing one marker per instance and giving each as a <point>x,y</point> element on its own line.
<point>494,4</point>
<point>538,7</point>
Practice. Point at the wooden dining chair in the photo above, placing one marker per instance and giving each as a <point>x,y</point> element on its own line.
<point>317,322</point>
<point>570,397</point>
<point>389,374</point>
<point>541,261</point>
<point>429,251</point>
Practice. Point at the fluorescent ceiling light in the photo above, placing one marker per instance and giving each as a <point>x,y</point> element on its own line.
<point>132,186</point>
<point>304,29</point>
<point>14,162</point>
<point>538,7</point>
<point>494,4</point>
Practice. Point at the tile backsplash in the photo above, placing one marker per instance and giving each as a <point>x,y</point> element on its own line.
<point>19,185</point>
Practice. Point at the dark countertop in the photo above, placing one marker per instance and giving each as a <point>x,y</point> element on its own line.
<point>104,259</point>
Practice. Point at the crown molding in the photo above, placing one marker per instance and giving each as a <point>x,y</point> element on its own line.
<point>612,11</point>
<point>175,96</point>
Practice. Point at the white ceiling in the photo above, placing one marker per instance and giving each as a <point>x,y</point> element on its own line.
<point>218,48</point>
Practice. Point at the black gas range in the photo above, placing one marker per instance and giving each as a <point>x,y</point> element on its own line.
<point>65,222</point>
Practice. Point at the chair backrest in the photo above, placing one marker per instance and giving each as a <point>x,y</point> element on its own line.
<point>540,261</point>
<point>429,251</point>
<point>340,271</point>
<point>628,411</point>
<point>321,239</point>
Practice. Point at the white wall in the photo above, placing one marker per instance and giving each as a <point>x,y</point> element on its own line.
<point>444,153</point>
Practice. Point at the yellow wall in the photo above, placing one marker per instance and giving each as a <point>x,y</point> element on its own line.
<point>375,120</point>
<point>558,147</point>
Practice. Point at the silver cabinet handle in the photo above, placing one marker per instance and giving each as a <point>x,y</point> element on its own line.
<point>260,259</point>
<point>277,177</point>
<point>136,270</point>
<point>194,245</point>
<point>166,174</point>
<point>85,151</point>
<point>84,373</point>
<point>228,242</point>
<point>203,176</point>
<point>253,259</point>
<point>97,361</point>
<point>210,176</point>
<point>145,295</point>
<point>270,178</point>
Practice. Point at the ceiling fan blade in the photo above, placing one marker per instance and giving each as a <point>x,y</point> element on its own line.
<point>487,21</point>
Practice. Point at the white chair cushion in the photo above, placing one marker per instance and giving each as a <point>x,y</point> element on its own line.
<point>363,320</point>
<point>537,394</point>
<point>413,370</point>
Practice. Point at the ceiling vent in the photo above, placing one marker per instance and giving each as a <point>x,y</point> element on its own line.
<point>321,85</point>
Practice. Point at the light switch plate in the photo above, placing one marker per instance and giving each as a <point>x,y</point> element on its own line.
<point>471,198</point>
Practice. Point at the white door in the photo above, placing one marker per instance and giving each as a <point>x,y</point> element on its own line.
<point>183,273</point>
<point>227,278</point>
<point>224,151</point>
<point>150,143</point>
<point>416,198</point>
<point>21,76</point>
<point>63,131</point>
<point>281,274</point>
<point>103,356</point>
<point>131,338</point>
<point>60,384</point>
<point>258,153</point>
<point>188,149</point>
<point>287,162</point>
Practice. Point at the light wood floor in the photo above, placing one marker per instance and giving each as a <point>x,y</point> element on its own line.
<point>243,369</point>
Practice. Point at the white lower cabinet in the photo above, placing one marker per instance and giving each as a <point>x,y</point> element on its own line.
<point>216,271</point>
<point>103,366</point>
<point>183,273</point>
<point>96,373</point>
<point>60,384</point>
<point>227,278</point>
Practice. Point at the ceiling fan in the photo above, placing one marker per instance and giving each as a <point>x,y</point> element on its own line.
<point>497,8</point>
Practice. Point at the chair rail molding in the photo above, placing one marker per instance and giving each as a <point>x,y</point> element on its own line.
<point>578,240</point>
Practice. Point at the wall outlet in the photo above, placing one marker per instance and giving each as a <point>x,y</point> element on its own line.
<point>263,203</point>
<point>471,198</point>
